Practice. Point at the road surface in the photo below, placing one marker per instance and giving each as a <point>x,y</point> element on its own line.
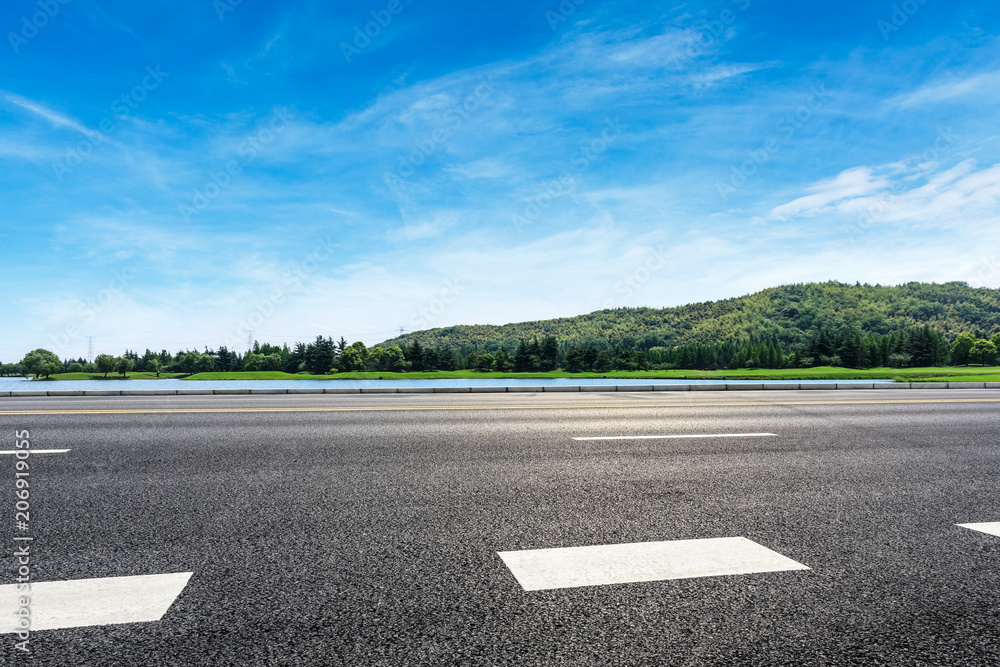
<point>366,530</point>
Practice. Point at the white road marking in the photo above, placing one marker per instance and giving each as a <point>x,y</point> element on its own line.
<point>35,451</point>
<point>669,437</point>
<point>989,528</point>
<point>544,569</point>
<point>83,602</point>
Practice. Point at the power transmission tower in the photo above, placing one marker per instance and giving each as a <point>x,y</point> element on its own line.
<point>402,331</point>
<point>250,339</point>
<point>90,349</point>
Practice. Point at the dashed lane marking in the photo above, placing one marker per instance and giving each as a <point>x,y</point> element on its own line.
<point>545,569</point>
<point>52,605</point>
<point>35,451</point>
<point>991,528</point>
<point>672,437</point>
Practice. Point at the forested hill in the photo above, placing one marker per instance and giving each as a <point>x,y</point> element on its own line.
<point>792,312</point>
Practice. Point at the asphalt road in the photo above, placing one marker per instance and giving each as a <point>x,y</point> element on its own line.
<point>364,530</point>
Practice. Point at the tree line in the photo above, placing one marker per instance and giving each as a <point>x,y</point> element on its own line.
<point>847,347</point>
<point>792,313</point>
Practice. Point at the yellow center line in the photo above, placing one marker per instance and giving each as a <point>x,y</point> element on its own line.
<point>413,408</point>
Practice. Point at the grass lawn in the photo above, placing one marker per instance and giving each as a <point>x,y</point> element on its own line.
<point>259,375</point>
<point>932,374</point>
<point>972,374</point>
<point>940,373</point>
<point>111,376</point>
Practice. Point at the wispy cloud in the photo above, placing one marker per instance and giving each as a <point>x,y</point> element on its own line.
<point>951,89</point>
<point>41,111</point>
<point>478,114</point>
<point>848,185</point>
<point>425,229</point>
<point>964,194</point>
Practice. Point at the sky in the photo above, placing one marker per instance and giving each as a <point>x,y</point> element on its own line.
<point>187,175</point>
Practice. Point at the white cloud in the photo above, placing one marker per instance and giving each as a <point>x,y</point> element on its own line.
<point>713,75</point>
<point>964,194</point>
<point>323,176</point>
<point>849,184</point>
<point>949,90</point>
<point>425,230</point>
<point>54,117</point>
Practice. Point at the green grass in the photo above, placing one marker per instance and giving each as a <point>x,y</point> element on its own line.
<point>932,374</point>
<point>940,373</point>
<point>258,375</point>
<point>111,376</point>
<point>971,374</point>
<point>963,378</point>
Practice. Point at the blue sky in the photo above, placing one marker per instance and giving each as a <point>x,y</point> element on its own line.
<point>176,174</point>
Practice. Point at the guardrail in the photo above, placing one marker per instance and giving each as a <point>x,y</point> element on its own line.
<point>520,389</point>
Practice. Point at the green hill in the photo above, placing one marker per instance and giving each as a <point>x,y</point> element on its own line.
<point>793,313</point>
